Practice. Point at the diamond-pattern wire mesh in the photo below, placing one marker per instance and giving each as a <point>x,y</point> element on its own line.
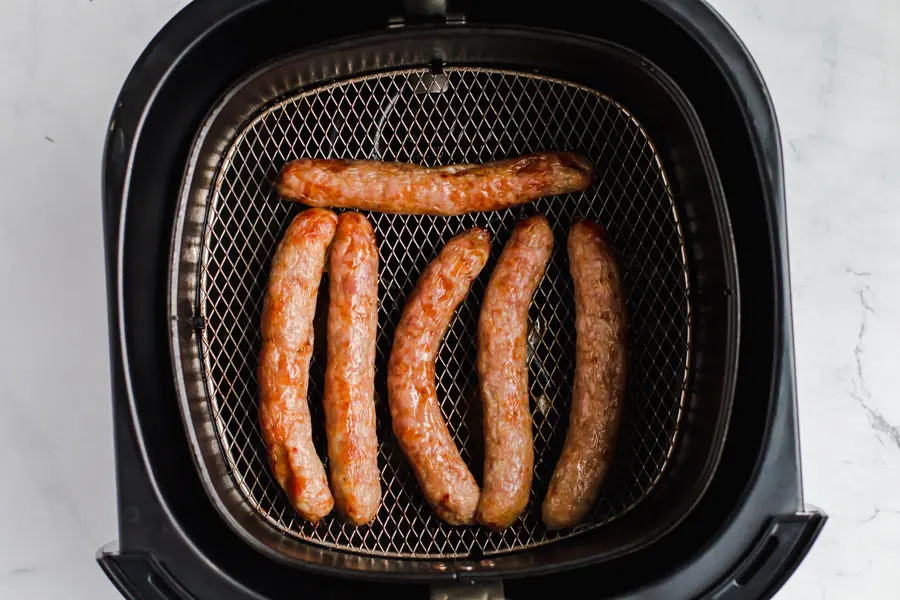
<point>461,115</point>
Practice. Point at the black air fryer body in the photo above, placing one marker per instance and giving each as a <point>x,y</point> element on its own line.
<point>741,536</point>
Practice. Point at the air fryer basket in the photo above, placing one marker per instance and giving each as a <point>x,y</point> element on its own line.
<point>464,96</point>
<point>459,115</point>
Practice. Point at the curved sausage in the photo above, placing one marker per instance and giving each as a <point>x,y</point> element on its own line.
<point>283,373</point>
<point>349,398</point>
<point>450,190</point>
<point>446,481</point>
<point>600,366</point>
<point>503,373</point>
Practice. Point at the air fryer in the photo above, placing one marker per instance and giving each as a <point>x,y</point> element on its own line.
<point>704,497</point>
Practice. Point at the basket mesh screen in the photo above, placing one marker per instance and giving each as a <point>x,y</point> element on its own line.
<point>460,115</point>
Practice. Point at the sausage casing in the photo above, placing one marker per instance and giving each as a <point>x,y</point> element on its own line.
<point>418,423</point>
<point>503,373</point>
<point>600,371</point>
<point>283,372</point>
<point>349,398</point>
<point>450,190</point>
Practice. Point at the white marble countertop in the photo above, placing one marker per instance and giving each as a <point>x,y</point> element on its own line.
<point>833,68</point>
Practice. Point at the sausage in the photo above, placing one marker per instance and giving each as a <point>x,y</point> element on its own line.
<point>349,398</point>
<point>283,373</point>
<point>450,190</point>
<point>600,370</point>
<point>418,424</point>
<point>503,373</point>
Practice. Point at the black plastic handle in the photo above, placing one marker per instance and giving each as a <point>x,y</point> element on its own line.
<point>426,10</point>
<point>773,559</point>
<point>139,576</point>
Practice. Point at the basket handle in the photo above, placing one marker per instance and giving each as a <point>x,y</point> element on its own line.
<point>468,590</point>
<point>426,10</point>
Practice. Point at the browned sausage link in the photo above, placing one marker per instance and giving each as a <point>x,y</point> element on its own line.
<point>350,376</point>
<point>446,481</point>
<point>600,365</point>
<point>450,190</point>
<point>503,373</point>
<point>283,374</point>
